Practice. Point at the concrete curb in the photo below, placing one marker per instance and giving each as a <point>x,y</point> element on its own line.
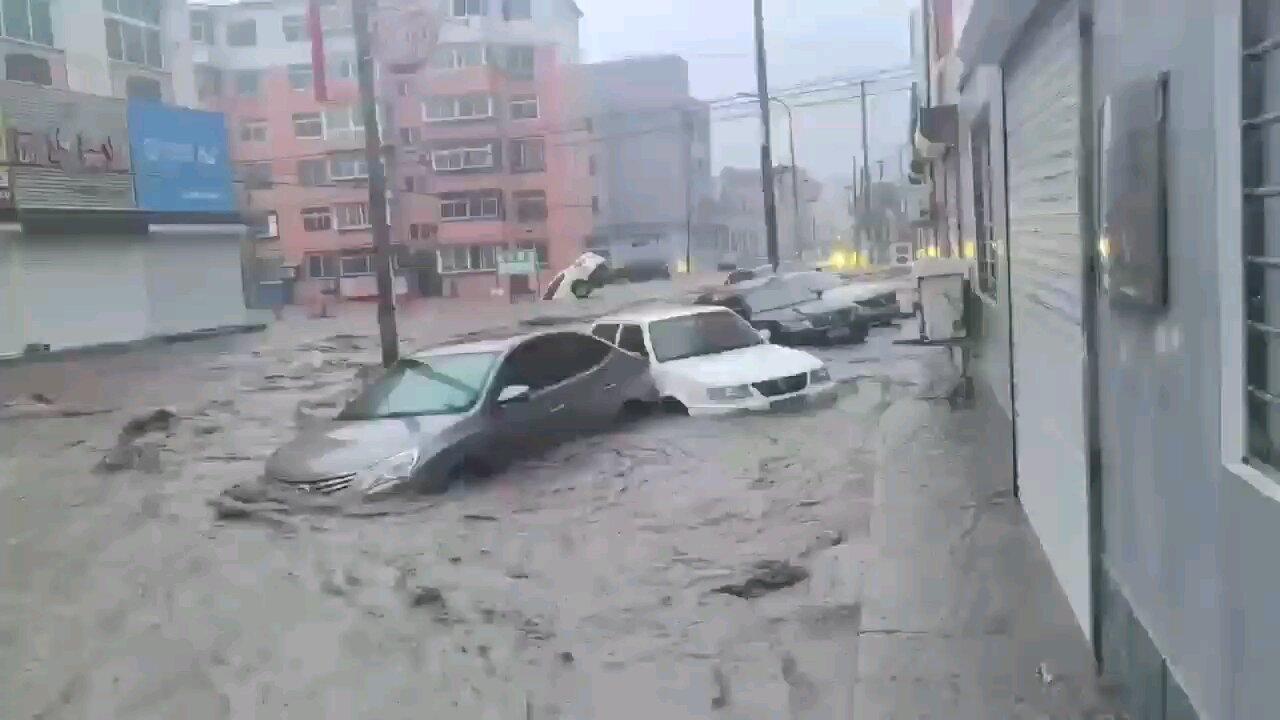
<point>121,347</point>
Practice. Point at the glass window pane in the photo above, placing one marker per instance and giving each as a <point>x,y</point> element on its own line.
<point>17,19</point>
<point>134,45</point>
<point>154,56</point>
<point>41,22</point>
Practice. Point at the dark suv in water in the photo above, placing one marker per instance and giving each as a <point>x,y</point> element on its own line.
<point>642,271</point>
<point>792,308</point>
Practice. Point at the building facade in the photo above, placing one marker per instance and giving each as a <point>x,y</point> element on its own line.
<point>118,221</point>
<point>475,126</point>
<point>651,156</point>
<point>119,48</point>
<point>1115,185</point>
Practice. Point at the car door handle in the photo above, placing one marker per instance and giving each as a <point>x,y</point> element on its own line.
<point>557,408</point>
<point>610,386</point>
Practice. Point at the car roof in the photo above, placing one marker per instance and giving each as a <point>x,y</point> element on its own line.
<point>500,344</point>
<point>650,313</point>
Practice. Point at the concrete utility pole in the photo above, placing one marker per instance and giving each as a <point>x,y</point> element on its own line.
<point>866,171</point>
<point>687,120</point>
<point>795,173</point>
<point>766,148</point>
<point>377,186</point>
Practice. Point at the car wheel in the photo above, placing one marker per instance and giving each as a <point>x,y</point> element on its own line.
<point>580,289</point>
<point>672,406</point>
<point>633,410</point>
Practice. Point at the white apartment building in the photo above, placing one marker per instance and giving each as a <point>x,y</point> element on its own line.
<point>118,48</point>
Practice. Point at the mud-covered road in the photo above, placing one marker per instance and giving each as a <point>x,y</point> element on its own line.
<point>605,580</point>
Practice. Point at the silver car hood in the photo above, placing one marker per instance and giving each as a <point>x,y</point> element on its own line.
<point>345,447</point>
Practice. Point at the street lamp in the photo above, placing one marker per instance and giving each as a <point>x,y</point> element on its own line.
<point>795,168</point>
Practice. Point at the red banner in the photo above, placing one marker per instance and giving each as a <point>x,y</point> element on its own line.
<point>316,29</point>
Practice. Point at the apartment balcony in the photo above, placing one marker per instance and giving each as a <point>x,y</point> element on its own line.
<point>463,232</point>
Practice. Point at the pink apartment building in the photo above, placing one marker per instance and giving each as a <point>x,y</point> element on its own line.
<point>486,150</point>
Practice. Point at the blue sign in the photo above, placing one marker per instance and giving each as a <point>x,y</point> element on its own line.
<point>180,161</point>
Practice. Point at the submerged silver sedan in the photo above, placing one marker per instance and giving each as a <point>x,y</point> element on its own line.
<point>464,409</point>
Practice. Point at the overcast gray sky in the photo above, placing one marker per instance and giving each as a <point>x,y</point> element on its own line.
<point>807,39</point>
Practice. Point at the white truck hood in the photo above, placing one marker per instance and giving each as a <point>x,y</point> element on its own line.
<point>736,367</point>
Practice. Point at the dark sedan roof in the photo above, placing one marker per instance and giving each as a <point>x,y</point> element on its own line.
<point>493,344</point>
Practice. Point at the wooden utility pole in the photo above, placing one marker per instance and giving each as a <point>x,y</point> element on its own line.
<point>687,121</point>
<point>766,147</point>
<point>377,185</point>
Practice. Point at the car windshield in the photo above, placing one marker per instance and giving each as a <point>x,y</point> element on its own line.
<point>440,385</point>
<point>778,293</point>
<point>701,334</point>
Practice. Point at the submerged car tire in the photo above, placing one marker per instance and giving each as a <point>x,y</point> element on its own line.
<point>633,410</point>
<point>580,289</point>
<point>672,406</point>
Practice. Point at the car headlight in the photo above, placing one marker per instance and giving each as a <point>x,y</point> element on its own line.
<point>733,392</point>
<point>819,376</point>
<point>389,473</point>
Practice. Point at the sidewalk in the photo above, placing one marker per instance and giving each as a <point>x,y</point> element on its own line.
<point>962,618</point>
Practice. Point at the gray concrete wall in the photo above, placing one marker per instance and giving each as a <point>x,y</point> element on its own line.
<point>1166,504</point>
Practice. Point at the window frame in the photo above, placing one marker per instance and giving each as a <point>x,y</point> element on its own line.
<point>523,199</point>
<point>360,166</point>
<point>203,21</point>
<point>456,114</point>
<point>332,272</point>
<point>523,100</point>
<point>272,226</point>
<point>352,113</point>
<point>519,149</point>
<point>366,257</point>
<point>239,86</point>
<point>316,213</point>
<point>341,209</point>
<point>34,63</point>
<point>469,8</point>
<point>306,175</point>
<point>240,24</point>
<point>253,178</point>
<point>305,72</point>
<point>461,154</point>
<point>294,34</point>
<point>510,15</point>
<point>250,126</point>
<point>475,203</point>
<point>987,252</point>
<point>470,251</point>
<point>318,119</point>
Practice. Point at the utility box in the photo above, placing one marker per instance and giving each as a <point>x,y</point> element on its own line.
<point>940,298</point>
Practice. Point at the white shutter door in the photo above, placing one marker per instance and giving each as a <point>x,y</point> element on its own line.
<point>83,290</point>
<point>1042,101</point>
<point>194,281</point>
<point>11,336</point>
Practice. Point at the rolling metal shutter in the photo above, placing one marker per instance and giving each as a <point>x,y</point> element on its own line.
<point>194,279</point>
<point>11,336</point>
<point>80,291</point>
<point>1042,103</point>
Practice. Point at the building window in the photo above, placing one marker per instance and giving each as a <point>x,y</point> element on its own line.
<point>588,125</point>
<point>256,175</point>
<point>459,55</point>
<point>294,28</point>
<point>352,216</point>
<point>520,60</point>
<point>247,82</point>
<point>595,204</point>
<point>322,266</point>
<point>524,107</point>
<point>469,258</point>
<point>315,219</point>
<point>133,40</point>
<point>23,67</point>
<point>467,158</point>
<point>308,125</point>
<point>208,82</point>
<point>270,227</point>
<point>355,265</point>
<point>202,27</point>
<point>30,20</point>
<point>242,33</point>
<point>469,8</point>
<point>301,76</point>
<point>348,166</point>
<point>143,88</point>
<point>531,206</point>
<point>340,66</point>
<point>465,107</point>
<point>344,123</point>
<point>544,257</point>
<point>410,136</point>
<point>313,172</point>
<point>988,267</point>
<point>253,130</point>
<point>470,206</point>
<point>528,155</point>
<point>592,168</point>
<point>422,231</point>
<point>517,9</point>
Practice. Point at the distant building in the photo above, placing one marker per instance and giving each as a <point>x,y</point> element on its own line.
<point>651,155</point>
<point>137,49</point>
<point>473,103</point>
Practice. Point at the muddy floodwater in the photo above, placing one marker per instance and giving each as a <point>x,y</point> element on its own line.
<point>677,567</point>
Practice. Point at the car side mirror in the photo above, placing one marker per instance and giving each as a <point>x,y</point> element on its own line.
<point>513,394</point>
<point>765,335</point>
